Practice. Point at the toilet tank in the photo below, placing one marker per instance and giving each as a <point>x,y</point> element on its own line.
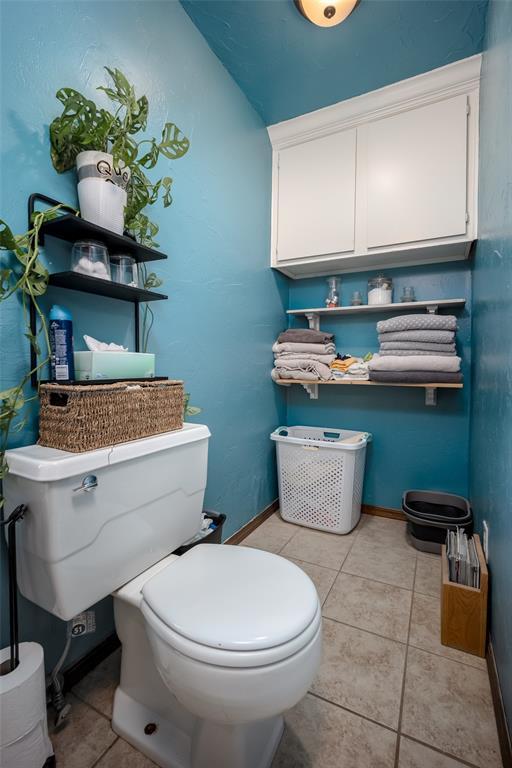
<point>97,519</point>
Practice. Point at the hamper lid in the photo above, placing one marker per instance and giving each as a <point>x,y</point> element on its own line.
<point>36,462</point>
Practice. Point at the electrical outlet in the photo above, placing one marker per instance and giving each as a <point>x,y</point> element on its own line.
<point>485,540</point>
<point>83,623</point>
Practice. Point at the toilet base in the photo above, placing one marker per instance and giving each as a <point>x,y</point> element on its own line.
<point>210,745</point>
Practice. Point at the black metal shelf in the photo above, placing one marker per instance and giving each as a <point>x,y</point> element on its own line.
<point>72,228</point>
<point>75,281</point>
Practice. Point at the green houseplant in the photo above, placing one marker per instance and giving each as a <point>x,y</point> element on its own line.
<point>83,126</point>
<point>24,276</point>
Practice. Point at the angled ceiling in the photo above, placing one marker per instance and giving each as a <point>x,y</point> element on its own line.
<point>286,66</point>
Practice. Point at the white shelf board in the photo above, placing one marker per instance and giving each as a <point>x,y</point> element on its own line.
<point>397,306</point>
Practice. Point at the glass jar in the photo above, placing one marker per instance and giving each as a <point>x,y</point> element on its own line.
<point>90,257</point>
<point>408,294</point>
<point>124,269</point>
<point>333,295</point>
<point>356,300</point>
<point>380,290</point>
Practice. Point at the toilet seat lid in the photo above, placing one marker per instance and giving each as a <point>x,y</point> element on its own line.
<point>233,598</point>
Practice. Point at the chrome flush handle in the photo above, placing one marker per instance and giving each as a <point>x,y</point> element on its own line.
<point>88,484</point>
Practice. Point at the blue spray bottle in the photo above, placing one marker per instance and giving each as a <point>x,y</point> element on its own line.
<point>61,344</point>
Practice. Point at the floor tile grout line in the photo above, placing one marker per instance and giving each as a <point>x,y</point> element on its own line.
<point>438,751</point>
<point>91,706</point>
<point>447,658</point>
<point>354,712</point>
<point>393,730</point>
<point>363,629</point>
<point>375,581</point>
<point>402,692</point>
<point>93,765</point>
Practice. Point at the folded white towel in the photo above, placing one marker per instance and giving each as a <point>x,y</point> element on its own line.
<point>296,347</point>
<point>321,370</point>
<point>278,374</point>
<point>326,359</point>
<point>446,363</point>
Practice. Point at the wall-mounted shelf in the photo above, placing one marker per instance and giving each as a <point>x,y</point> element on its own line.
<point>71,228</point>
<point>78,282</point>
<point>432,305</point>
<point>311,387</point>
<point>314,314</point>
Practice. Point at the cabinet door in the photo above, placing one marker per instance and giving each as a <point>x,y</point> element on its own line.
<point>416,174</point>
<point>316,197</point>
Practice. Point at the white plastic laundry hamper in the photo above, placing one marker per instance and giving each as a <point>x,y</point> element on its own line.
<point>321,474</point>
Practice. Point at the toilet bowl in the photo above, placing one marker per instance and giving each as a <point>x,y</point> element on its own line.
<point>235,635</point>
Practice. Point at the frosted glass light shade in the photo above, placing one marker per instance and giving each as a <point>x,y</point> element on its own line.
<point>326,13</point>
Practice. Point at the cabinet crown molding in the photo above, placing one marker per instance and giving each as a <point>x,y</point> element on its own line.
<point>459,77</point>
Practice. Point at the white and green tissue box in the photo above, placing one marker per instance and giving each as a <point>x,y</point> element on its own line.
<point>114,365</point>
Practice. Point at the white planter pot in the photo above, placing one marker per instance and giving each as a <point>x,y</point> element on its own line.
<point>102,190</point>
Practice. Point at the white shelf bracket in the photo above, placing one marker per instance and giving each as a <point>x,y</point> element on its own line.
<point>312,390</point>
<point>431,396</point>
<point>313,320</point>
<point>432,309</point>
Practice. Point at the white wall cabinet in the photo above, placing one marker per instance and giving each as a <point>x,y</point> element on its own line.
<point>416,174</point>
<point>385,179</point>
<point>316,197</point>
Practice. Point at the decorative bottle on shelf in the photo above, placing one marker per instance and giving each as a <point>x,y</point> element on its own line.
<point>333,296</point>
<point>61,344</point>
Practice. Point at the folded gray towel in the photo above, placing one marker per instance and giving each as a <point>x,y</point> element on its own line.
<point>446,363</point>
<point>412,346</point>
<point>305,336</point>
<point>413,352</point>
<point>426,322</point>
<point>431,337</point>
<point>415,377</point>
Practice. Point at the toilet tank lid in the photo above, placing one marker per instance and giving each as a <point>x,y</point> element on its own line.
<point>36,462</point>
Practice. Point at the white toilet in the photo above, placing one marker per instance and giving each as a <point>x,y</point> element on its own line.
<point>216,644</point>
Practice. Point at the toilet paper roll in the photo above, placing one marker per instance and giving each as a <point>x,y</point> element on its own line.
<point>24,741</point>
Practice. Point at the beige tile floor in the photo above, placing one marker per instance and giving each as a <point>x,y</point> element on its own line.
<point>388,694</point>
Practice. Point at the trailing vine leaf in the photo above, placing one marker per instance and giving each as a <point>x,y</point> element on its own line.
<point>28,276</point>
<point>83,125</point>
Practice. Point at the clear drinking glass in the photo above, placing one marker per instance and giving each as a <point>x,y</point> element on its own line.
<point>90,257</point>
<point>124,269</point>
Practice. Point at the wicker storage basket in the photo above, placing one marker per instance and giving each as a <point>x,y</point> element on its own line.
<point>82,418</point>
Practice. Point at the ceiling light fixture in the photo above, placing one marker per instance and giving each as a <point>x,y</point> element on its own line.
<point>326,13</point>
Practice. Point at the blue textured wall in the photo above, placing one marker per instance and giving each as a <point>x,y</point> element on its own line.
<point>414,446</point>
<point>288,66</point>
<point>225,306</point>
<point>491,444</point>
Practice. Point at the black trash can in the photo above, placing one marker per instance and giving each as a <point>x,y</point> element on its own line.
<point>214,536</point>
<point>431,513</point>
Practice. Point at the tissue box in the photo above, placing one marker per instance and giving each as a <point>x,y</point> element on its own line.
<point>113,365</point>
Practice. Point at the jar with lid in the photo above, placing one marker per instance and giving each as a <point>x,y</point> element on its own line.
<point>380,290</point>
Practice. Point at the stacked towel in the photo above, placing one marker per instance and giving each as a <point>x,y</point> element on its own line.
<point>416,349</point>
<point>350,368</point>
<point>303,354</point>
